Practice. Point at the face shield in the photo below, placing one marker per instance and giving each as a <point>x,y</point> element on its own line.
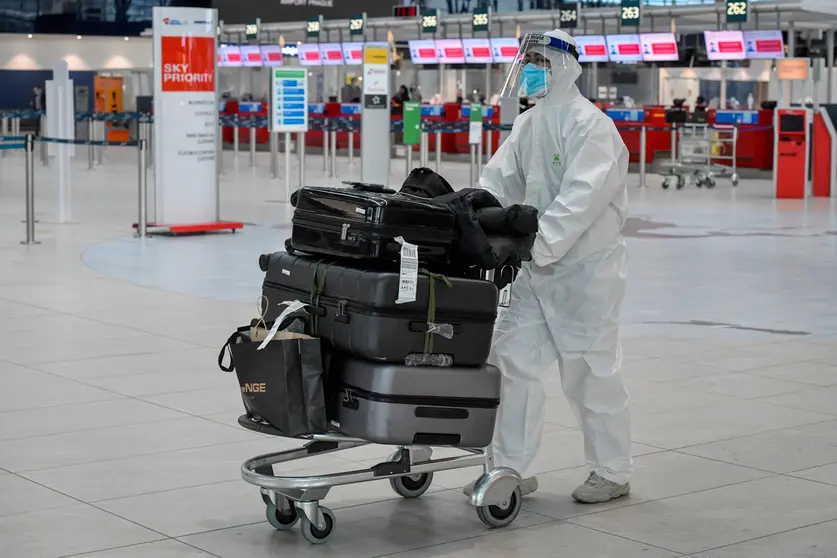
<point>540,60</point>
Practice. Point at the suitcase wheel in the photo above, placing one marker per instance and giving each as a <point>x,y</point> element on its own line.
<point>503,514</point>
<point>411,486</point>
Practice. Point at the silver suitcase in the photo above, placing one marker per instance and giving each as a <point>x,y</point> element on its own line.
<point>389,403</point>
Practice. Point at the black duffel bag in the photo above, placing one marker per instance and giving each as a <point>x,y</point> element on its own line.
<point>283,383</point>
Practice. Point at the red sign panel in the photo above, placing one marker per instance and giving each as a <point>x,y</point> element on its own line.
<point>188,63</point>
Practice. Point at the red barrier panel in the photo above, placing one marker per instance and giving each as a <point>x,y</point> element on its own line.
<point>823,162</point>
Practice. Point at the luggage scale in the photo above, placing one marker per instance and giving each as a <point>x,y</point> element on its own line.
<point>290,499</point>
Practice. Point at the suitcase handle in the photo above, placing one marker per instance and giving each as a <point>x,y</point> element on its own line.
<point>363,186</point>
<point>421,327</point>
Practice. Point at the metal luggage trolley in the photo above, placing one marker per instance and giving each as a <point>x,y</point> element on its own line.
<point>691,155</point>
<point>288,500</point>
<point>409,469</point>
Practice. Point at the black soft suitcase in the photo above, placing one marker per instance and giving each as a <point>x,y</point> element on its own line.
<point>362,223</point>
<point>396,404</point>
<point>355,310</point>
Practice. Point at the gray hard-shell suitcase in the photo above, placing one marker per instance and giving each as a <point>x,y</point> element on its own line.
<point>404,405</point>
<point>354,309</point>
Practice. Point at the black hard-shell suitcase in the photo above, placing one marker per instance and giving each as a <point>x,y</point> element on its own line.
<point>362,223</point>
<point>397,404</point>
<point>355,309</point>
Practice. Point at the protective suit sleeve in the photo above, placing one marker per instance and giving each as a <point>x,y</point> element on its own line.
<point>503,175</point>
<point>597,168</point>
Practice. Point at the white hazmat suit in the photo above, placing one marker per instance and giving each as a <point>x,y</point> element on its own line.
<point>565,157</point>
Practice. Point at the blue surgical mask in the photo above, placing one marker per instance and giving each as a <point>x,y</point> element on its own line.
<point>533,80</point>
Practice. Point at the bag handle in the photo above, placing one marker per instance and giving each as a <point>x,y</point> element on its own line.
<point>364,187</point>
<point>292,306</point>
<point>234,338</point>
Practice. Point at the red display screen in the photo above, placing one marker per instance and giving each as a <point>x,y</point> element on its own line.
<point>405,11</point>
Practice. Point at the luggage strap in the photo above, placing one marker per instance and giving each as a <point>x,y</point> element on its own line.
<point>431,306</point>
<point>317,286</point>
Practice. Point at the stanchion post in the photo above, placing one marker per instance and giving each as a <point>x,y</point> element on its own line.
<point>100,154</point>
<point>30,190</point>
<point>91,132</point>
<point>351,146</point>
<point>274,159</point>
<point>333,141</point>
<point>438,152</point>
<point>673,143</point>
<point>42,132</point>
<point>236,139</point>
<point>288,164</point>
<point>252,143</point>
<point>408,159</point>
<point>473,150</point>
<point>300,147</point>
<point>479,157</point>
<point>643,139</point>
<point>4,131</point>
<point>220,143</point>
<point>142,219</point>
<point>325,145</point>
<point>489,145</point>
<point>149,151</point>
<point>423,149</point>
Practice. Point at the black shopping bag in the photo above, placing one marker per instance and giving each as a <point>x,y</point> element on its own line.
<point>281,384</point>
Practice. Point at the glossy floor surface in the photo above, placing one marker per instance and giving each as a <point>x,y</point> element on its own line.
<point>118,433</point>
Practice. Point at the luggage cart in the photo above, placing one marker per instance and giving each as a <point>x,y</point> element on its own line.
<point>291,499</point>
<point>693,157</point>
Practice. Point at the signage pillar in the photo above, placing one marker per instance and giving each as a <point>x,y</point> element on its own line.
<point>375,132</point>
<point>61,124</point>
<point>186,119</point>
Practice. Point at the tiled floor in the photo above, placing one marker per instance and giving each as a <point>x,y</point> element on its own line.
<point>118,435</point>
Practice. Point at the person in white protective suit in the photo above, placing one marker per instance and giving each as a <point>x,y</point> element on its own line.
<point>565,157</point>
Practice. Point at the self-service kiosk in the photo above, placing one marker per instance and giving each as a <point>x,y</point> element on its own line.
<point>790,168</point>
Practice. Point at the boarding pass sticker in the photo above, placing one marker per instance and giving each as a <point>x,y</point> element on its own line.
<point>408,277</point>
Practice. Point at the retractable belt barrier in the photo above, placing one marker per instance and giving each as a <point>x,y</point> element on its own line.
<point>28,146</point>
<point>130,143</point>
<point>719,128</point>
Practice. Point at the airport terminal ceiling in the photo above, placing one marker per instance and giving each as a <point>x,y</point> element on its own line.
<point>682,18</point>
<point>243,11</point>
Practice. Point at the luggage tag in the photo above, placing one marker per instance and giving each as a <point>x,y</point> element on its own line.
<point>505,292</point>
<point>293,306</point>
<point>408,276</point>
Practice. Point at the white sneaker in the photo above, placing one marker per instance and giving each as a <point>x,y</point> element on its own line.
<point>527,486</point>
<point>597,489</point>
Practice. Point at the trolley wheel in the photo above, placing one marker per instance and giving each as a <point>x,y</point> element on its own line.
<point>500,516</point>
<point>710,183</point>
<point>681,182</point>
<point>314,534</point>
<point>411,486</point>
<point>734,179</point>
<point>281,519</point>
<point>667,183</point>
